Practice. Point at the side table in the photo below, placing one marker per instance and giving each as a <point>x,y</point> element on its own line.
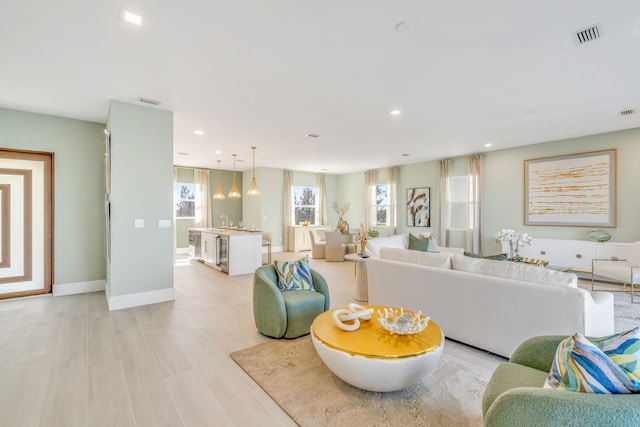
<point>362,286</point>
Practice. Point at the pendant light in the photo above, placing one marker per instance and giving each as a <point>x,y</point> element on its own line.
<point>253,189</point>
<point>218,194</point>
<point>234,193</point>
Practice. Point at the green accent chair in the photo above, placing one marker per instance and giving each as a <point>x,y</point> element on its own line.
<point>286,314</point>
<point>515,397</point>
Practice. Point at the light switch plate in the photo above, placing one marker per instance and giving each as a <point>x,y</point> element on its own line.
<point>139,223</point>
<point>164,223</point>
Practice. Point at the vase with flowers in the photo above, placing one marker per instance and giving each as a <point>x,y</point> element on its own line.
<point>515,241</point>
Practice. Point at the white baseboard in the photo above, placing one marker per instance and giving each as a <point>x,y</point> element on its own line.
<point>60,289</point>
<point>142,298</point>
<point>277,248</point>
<point>181,251</point>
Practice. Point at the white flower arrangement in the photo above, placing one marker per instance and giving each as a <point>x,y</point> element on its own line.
<point>515,240</point>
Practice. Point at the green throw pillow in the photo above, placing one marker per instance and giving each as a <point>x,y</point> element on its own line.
<point>498,257</point>
<point>294,276</point>
<point>418,243</point>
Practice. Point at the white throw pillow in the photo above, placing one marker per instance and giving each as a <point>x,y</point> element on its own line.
<point>514,270</point>
<point>430,259</point>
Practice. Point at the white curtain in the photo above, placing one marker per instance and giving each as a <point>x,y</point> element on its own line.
<point>288,181</point>
<point>203,204</point>
<point>322,199</point>
<point>392,174</point>
<point>443,201</point>
<point>476,176</point>
<point>369,189</point>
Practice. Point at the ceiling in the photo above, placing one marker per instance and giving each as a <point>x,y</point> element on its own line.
<point>267,73</point>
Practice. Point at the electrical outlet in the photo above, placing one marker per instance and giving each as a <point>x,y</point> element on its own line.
<point>139,223</point>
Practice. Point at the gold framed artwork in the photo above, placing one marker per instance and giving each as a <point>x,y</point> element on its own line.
<point>418,207</point>
<point>577,190</point>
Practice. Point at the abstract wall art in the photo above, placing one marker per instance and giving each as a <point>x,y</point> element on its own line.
<point>418,204</point>
<point>572,190</point>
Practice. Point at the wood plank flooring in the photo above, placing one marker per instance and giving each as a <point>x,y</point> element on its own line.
<point>68,361</point>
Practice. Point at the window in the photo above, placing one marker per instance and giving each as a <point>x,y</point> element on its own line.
<point>382,205</point>
<point>305,205</point>
<point>460,205</point>
<point>185,200</point>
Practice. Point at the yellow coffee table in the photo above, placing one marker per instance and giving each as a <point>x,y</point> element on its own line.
<point>371,358</point>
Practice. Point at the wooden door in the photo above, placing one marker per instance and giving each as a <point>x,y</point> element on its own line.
<point>26,223</point>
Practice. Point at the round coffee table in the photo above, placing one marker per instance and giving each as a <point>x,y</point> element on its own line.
<point>371,358</point>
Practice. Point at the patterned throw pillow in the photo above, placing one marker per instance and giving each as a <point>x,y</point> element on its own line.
<point>607,365</point>
<point>294,276</point>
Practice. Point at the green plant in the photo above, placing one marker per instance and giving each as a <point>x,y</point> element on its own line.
<point>373,232</point>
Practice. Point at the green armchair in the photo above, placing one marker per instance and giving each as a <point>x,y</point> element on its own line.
<point>286,314</point>
<point>515,397</point>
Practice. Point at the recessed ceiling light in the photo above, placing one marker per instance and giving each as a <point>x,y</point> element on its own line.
<point>488,144</point>
<point>406,155</point>
<point>131,17</point>
<point>395,112</point>
<point>199,132</point>
<point>313,135</point>
<point>218,152</point>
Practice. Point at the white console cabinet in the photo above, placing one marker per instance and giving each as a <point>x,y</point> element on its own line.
<point>574,254</point>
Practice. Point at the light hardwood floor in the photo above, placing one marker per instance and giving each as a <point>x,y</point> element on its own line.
<point>68,361</point>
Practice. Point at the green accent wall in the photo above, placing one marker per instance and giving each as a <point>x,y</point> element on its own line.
<point>141,188</point>
<point>79,219</point>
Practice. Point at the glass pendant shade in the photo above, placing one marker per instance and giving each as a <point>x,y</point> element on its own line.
<point>234,193</point>
<point>218,194</point>
<point>253,189</point>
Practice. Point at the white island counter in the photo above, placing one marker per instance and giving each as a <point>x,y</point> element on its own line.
<point>231,251</point>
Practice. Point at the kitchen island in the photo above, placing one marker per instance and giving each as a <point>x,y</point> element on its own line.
<point>231,251</point>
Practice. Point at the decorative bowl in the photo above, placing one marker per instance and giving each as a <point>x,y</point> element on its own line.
<point>599,236</point>
<point>305,223</point>
<point>399,322</point>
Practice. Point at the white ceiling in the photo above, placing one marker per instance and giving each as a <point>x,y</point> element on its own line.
<point>266,73</point>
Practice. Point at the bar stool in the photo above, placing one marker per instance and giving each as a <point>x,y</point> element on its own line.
<point>266,241</point>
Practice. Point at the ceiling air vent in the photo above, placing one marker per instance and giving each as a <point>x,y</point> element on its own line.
<point>627,112</point>
<point>149,101</point>
<point>587,35</point>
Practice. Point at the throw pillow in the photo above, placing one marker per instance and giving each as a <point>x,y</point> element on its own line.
<point>293,276</point>
<point>607,365</point>
<point>433,244</point>
<point>418,244</point>
<point>497,257</point>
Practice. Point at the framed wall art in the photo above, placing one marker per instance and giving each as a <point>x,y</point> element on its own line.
<point>576,190</point>
<point>418,207</point>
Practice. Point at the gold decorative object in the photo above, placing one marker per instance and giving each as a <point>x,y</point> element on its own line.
<point>363,239</point>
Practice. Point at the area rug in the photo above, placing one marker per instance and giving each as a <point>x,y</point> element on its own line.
<point>291,372</point>
<point>627,315</point>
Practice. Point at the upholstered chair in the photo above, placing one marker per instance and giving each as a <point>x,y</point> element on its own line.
<point>626,271</point>
<point>317,246</point>
<point>335,248</point>
<point>515,396</point>
<point>286,314</point>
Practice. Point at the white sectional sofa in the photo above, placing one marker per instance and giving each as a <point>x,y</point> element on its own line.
<point>493,305</point>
